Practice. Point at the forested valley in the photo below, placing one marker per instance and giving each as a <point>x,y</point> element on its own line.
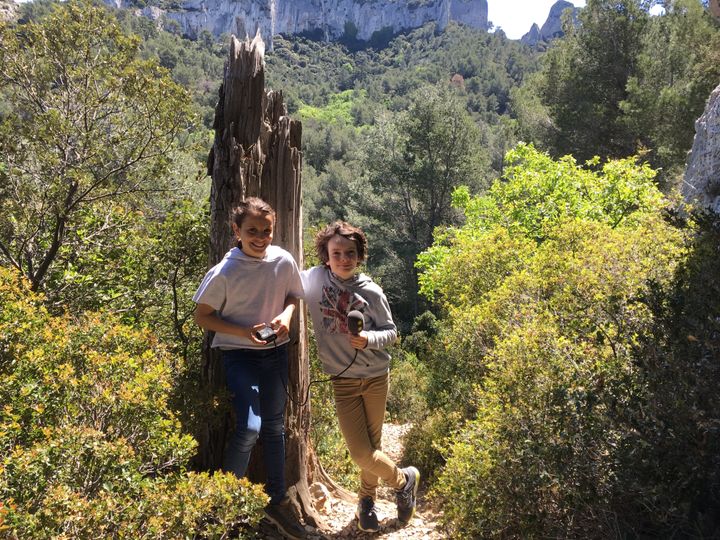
<point>558,302</point>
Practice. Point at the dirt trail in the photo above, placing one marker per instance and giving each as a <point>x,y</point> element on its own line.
<point>340,519</point>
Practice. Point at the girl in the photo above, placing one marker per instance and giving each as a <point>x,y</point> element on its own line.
<point>252,288</point>
<point>357,362</point>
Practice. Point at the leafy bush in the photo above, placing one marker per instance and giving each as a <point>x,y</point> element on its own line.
<point>589,410</point>
<point>427,441</point>
<point>675,454</point>
<point>541,455</point>
<point>408,388</point>
<point>338,110</point>
<point>91,447</point>
<point>89,125</point>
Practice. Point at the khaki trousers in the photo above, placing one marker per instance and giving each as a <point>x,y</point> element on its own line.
<point>360,406</point>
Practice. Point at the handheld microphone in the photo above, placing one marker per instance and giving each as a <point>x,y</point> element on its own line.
<point>355,322</point>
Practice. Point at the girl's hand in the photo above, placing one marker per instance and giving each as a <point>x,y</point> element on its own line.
<point>360,341</point>
<point>252,336</point>
<point>281,325</point>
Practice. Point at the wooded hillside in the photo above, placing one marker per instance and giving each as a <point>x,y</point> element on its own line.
<point>558,306</point>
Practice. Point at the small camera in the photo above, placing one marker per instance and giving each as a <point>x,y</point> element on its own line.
<point>266,334</point>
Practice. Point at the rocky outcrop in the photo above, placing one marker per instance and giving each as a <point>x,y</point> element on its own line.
<point>8,11</point>
<point>714,8</point>
<point>329,18</point>
<point>701,185</point>
<point>553,25</point>
<point>532,37</point>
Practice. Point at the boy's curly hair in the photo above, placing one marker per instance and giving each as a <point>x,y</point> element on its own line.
<point>345,230</point>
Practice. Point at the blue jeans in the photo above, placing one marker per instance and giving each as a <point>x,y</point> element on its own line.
<point>257,380</point>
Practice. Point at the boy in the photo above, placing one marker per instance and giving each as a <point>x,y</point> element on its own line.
<point>357,362</point>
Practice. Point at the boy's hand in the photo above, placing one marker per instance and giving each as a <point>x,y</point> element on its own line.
<point>360,341</point>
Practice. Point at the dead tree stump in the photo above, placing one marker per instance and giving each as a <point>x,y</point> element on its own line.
<point>256,152</point>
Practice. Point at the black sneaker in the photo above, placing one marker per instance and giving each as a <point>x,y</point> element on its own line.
<point>282,516</point>
<point>367,515</point>
<point>406,497</point>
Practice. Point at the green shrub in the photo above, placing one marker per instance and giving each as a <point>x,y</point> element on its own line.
<point>426,442</point>
<point>582,356</point>
<point>408,387</point>
<point>90,445</point>
<point>543,455</point>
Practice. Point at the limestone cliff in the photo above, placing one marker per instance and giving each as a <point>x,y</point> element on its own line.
<point>553,25</point>
<point>701,185</point>
<point>8,10</point>
<point>329,18</point>
<point>533,36</point>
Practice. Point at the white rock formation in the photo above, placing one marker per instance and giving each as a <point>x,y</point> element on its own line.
<point>701,185</point>
<point>552,27</point>
<point>329,17</point>
<point>8,10</point>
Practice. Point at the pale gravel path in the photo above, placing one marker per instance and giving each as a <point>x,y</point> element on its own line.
<point>339,516</point>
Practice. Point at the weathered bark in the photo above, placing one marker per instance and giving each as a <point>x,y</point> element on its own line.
<point>256,152</point>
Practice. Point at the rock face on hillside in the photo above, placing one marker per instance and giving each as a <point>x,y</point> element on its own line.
<point>329,18</point>
<point>701,184</point>
<point>8,10</point>
<point>553,25</point>
<point>533,36</point>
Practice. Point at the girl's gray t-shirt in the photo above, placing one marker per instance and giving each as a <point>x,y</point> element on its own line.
<point>247,291</point>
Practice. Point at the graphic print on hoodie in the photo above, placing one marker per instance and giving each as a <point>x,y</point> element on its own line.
<point>329,300</point>
<point>335,304</point>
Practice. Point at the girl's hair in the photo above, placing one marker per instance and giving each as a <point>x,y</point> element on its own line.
<point>345,230</point>
<point>251,205</point>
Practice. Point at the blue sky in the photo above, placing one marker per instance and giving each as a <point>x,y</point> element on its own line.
<point>516,17</point>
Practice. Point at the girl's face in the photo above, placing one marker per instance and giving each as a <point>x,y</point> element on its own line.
<point>342,256</point>
<point>255,234</point>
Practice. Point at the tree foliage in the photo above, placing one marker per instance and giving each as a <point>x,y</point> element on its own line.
<point>624,82</point>
<point>677,68</point>
<point>88,123</point>
<point>90,444</point>
<point>586,75</point>
<point>574,425</point>
<point>414,160</point>
<point>353,101</point>
<point>536,195</point>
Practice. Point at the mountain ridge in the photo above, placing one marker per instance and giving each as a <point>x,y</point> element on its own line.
<point>330,19</point>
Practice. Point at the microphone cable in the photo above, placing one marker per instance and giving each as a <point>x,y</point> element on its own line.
<point>355,323</point>
<point>307,391</point>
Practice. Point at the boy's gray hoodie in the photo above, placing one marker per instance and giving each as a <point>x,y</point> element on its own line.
<point>329,300</point>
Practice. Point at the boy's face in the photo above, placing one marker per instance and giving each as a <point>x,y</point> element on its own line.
<point>342,256</point>
<point>255,234</point>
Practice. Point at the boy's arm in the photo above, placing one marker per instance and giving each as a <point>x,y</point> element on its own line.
<point>384,332</point>
<point>379,339</point>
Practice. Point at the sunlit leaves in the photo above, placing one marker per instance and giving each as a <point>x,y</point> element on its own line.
<point>90,444</point>
<point>535,195</point>
<point>89,122</point>
<point>545,290</point>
